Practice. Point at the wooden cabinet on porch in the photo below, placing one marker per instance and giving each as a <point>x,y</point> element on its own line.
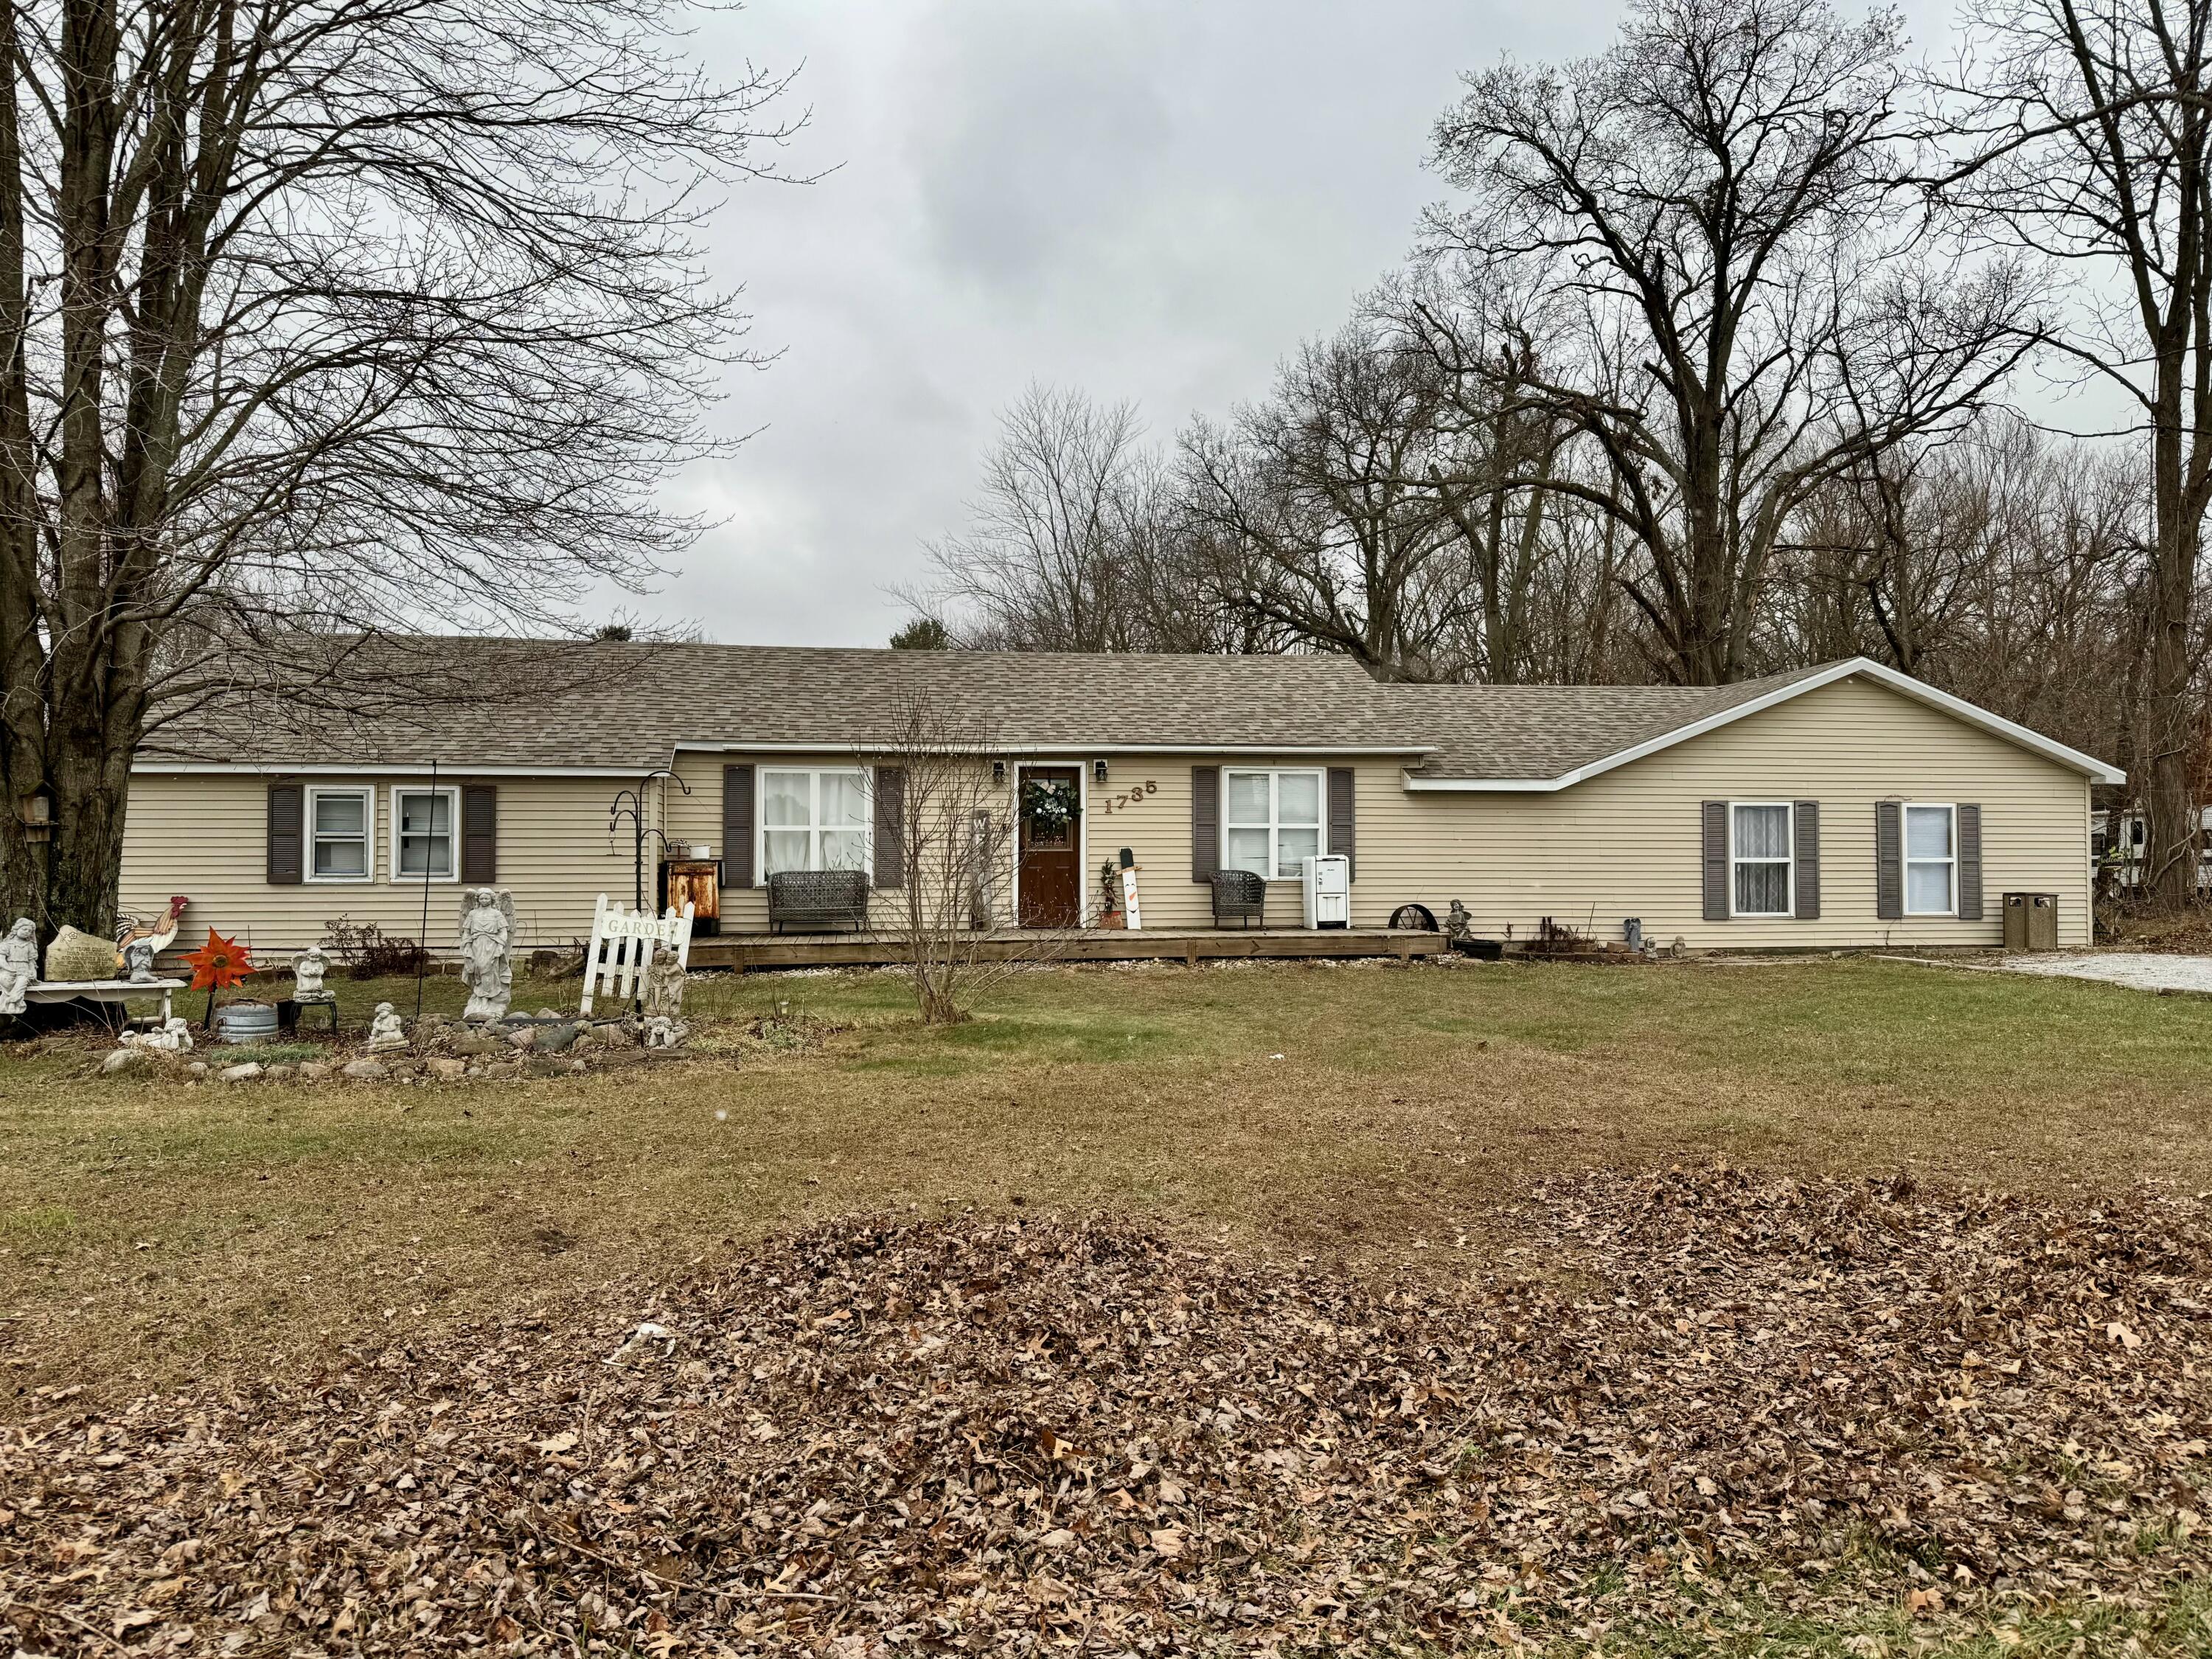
<point>700,882</point>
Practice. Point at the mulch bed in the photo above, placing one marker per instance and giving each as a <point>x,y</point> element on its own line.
<point>1008,1437</point>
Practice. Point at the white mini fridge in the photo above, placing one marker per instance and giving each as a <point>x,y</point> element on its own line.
<point>1328,884</point>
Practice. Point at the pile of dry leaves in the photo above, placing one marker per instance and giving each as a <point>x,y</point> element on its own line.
<point>1005,1439</point>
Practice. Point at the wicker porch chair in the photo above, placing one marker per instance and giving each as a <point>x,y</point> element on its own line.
<point>1240,894</point>
<point>817,900</point>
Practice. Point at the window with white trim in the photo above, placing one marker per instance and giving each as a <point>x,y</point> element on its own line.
<point>422,822</point>
<point>338,830</point>
<point>1761,858</point>
<point>1271,821</point>
<point>814,819</point>
<point>1931,860</point>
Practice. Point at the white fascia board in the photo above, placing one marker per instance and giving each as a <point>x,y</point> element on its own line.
<point>1958,707</point>
<point>310,770</point>
<point>1107,750</point>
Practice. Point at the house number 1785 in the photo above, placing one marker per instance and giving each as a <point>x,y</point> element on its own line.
<point>1128,798</point>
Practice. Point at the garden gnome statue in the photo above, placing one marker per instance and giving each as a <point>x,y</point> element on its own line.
<point>19,965</point>
<point>307,970</point>
<point>487,940</point>
<point>385,1031</point>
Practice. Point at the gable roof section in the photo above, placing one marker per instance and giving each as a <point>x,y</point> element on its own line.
<point>624,707</point>
<point>1534,740</point>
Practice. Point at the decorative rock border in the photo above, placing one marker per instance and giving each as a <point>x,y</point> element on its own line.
<point>544,1045</point>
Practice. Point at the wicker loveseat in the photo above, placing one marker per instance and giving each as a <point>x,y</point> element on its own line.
<point>1239,897</point>
<point>817,899</point>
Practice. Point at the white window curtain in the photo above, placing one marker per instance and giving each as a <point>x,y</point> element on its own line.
<point>1930,861</point>
<point>1761,854</point>
<point>340,827</point>
<point>1271,824</point>
<point>814,820</point>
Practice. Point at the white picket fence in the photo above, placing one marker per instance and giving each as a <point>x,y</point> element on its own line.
<point>623,944</point>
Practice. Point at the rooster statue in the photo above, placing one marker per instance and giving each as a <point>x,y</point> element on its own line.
<point>149,938</point>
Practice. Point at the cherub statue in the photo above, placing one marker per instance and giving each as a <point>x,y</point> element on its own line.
<point>173,1036</point>
<point>307,970</point>
<point>1457,923</point>
<point>385,1031</point>
<point>486,937</point>
<point>664,985</point>
<point>19,965</point>
<point>662,1032</point>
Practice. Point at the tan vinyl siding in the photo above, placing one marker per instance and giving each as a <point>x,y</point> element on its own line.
<point>202,835</point>
<point>1626,843</point>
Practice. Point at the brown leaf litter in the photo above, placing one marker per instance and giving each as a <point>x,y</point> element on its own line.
<point>981,1437</point>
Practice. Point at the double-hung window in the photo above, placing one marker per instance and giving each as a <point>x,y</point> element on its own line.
<point>814,819</point>
<point>1273,822</point>
<point>338,827</point>
<point>423,834</point>
<point>1931,860</point>
<point>1759,858</point>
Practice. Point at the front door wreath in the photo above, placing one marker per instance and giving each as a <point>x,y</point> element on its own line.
<point>1050,804</point>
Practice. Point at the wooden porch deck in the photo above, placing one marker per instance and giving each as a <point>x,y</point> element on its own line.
<point>743,951</point>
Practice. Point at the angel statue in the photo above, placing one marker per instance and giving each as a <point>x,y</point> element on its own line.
<point>487,941</point>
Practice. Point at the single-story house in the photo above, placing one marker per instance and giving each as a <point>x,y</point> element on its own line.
<point>1841,806</point>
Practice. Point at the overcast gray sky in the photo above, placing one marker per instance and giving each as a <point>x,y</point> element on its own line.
<point>1153,199</point>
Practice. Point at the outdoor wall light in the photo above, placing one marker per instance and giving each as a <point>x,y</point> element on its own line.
<point>1098,771</point>
<point>998,773</point>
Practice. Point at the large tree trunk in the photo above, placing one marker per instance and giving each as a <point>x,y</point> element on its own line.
<point>2168,781</point>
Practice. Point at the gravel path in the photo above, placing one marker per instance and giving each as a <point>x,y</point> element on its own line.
<point>2143,969</point>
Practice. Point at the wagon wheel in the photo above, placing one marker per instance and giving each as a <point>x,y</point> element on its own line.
<point>1414,918</point>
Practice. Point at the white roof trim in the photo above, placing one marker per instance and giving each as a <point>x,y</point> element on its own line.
<point>1958,707</point>
<point>458,771</point>
<point>1102,750</point>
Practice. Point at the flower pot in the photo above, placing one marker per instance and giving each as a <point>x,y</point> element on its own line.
<point>246,1022</point>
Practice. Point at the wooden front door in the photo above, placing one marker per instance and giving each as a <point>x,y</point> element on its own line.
<point>1051,874</point>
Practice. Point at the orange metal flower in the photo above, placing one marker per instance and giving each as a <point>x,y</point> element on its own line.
<point>220,963</point>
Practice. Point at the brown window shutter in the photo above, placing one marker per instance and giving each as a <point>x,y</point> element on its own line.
<point>1205,821</point>
<point>288,807</point>
<point>1342,828</point>
<point>480,833</point>
<point>1889,860</point>
<point>889,795</point>
<point>1715,814</point>
<point>738,825</point>
<point>1806,816</point>
<point>1970,863</point>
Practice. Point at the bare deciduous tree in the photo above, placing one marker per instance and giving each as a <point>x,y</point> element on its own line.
<point>952,826</point>
<point>1047,561</point>
<point>2087,125</point>
<point>1323,508</point>
<point>323,316</point>
<point>1712,192</point>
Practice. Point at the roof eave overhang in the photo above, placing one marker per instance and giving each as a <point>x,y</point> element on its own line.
<point>1958,707</point>
<point>381,769</point>
<point>1108,749</point>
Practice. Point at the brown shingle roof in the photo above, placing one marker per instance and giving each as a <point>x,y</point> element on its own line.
<point>1544,732</point>
<point>621,704</point>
